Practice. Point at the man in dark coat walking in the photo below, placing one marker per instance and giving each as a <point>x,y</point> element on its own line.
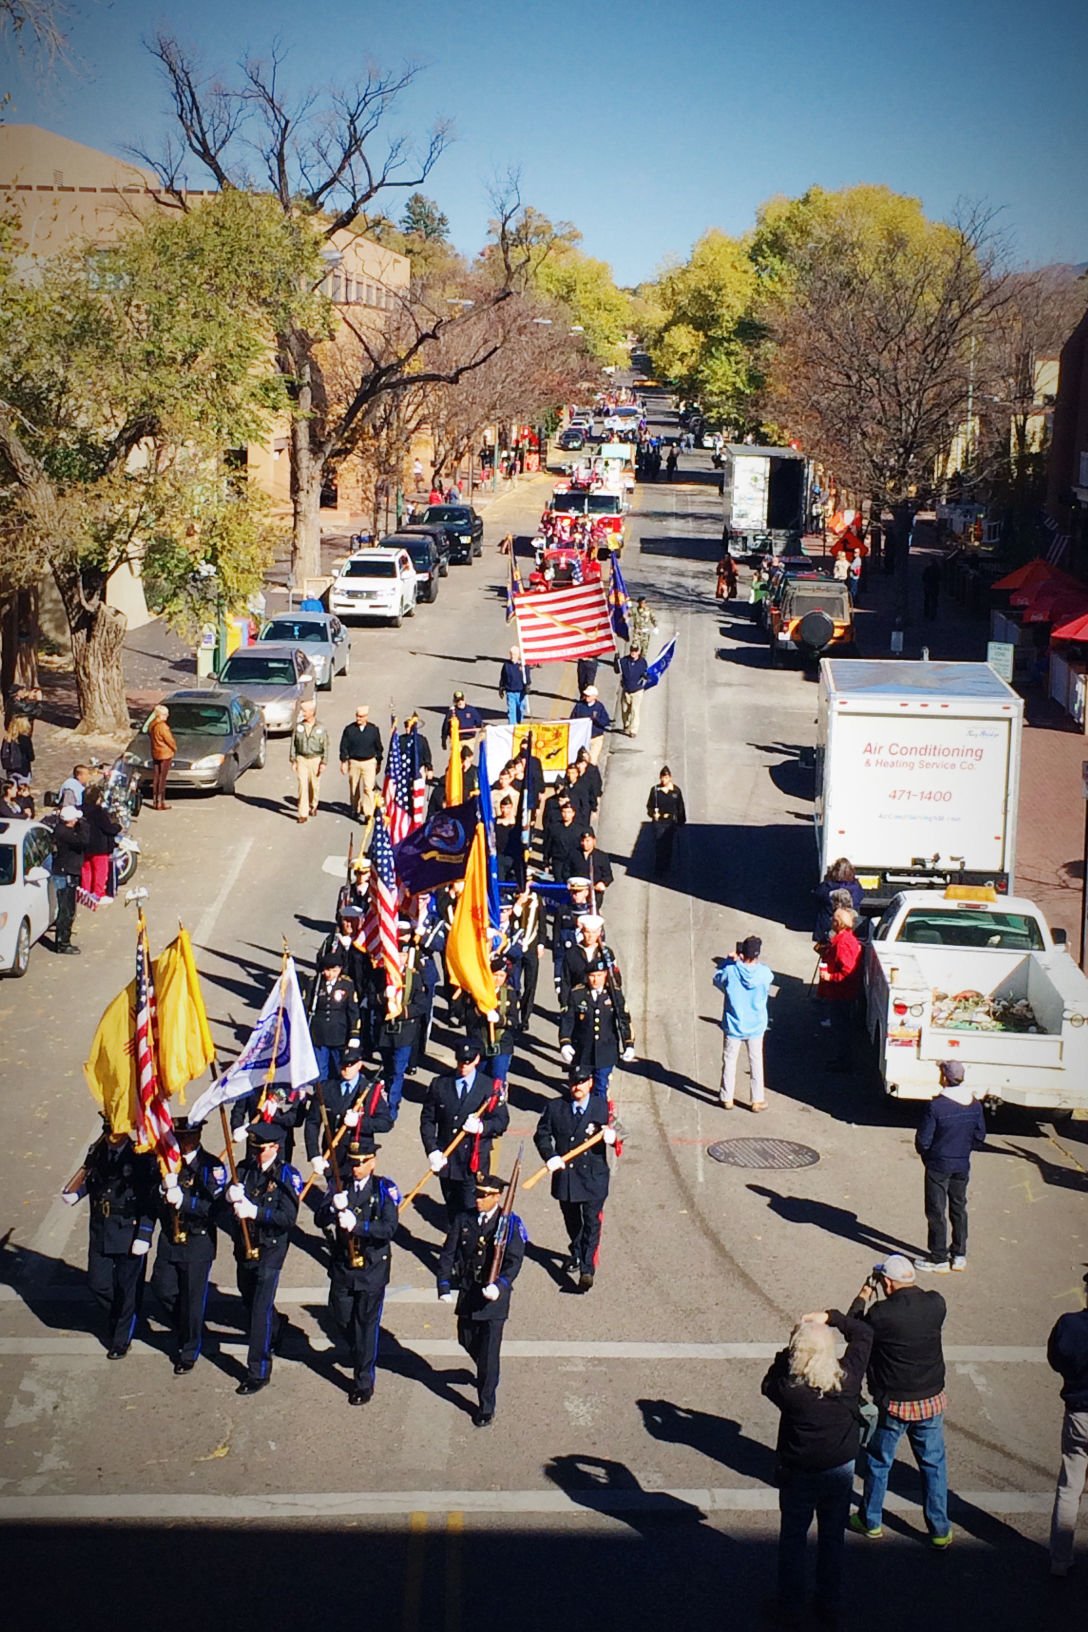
<point>580,1186</point>
<point>468,1101</point>
<point>951,1128</point>
<point>467,1263</point>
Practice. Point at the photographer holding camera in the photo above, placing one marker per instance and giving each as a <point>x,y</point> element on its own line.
<point>745,983</point>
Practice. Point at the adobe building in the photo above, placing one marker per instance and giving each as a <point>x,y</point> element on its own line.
<point>1067,469</point>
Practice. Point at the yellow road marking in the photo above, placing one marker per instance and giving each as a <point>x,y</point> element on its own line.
<point>413,1572</point>
<point>455,1524</point>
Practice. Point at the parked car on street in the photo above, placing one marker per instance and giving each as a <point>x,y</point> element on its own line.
<point>276,676</point>
<point>435,530</point>
<point>464,529</point>
<point>219,735</point>
<point>28,901</point>
<point>425,558</point>
<point>375,584</point>
<point>572,440</point>
<point>324,637</point>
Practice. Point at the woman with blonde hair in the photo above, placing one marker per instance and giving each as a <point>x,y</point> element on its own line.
<point>163,748</point>
<point>819,1434</point>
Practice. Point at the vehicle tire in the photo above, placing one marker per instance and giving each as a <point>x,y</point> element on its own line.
<point>814,632</point>
<point>395,623</point>
<point>228,780</point>
<point>261,757</point>
<point>326,685</point>
<point>444,568</point>
<point>346,670</point>
<point>124,866</point>
<point>772,652</point>
<point>21,960</point>
<point>478,548</point>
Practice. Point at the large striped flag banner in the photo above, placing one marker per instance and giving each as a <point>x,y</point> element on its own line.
<point>154,1124</point>
<point>556,625</point>
<point>397,794</point>
<point>381,920</point>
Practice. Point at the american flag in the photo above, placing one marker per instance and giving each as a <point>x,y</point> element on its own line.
<point>558,624</point>
<point>381,919</point>
<point>404,791</point>
<point>154,1124</point>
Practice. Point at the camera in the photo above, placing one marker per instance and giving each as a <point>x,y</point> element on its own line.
<point>739,949</point>
<point>51,799</point>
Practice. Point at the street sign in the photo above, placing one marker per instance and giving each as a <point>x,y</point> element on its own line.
<point>1001,655</point>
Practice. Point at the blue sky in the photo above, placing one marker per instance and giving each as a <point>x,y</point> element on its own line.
<point>646,123</point>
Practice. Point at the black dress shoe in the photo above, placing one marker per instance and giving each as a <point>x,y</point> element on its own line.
<point>570,1265</point>
<point>585,1281</point>
<point>360,1396</point>
<point>482,1419</point>
<point>252,1385</point>
<point>181,1367</point>
<point>68,950</point>
<point>117,1354</point>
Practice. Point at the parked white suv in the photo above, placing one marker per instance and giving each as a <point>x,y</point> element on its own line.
<point>375,584</point>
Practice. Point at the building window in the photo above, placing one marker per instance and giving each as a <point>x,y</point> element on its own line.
<point>337,289</point>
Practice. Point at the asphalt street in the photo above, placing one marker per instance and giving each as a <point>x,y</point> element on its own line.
<point>628,1478</point>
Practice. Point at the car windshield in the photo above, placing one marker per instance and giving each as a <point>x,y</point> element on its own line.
<point>448,513</point>
<point>1002,931</point>
<point>603,504</point>
<point>288,629</point>
<point>420,551</point>
<point>362,568</point>
<point>831,598</point>
<point>200,719</point>
<point>257,671</point>
<point>7,864</point>
<point>570,504</point>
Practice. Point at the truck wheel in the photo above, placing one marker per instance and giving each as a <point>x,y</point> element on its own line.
<point>773,653</point>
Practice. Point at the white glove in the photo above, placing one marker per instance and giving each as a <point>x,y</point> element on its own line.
<point>235,1193</point>
<point>69,1197</point>
<point>319,1166</point>
<point>140,1248</point>
<point>491,1292</point>
<point>472,1124</point>
<point>445,1297</point>
<point>437,1161</point>
<point>340,1200</point>
<point>628,1054</point>
<point>492,1017</point>
<point>566,1054</point>
<point>245,1209</point>
<point>351,1118</point>
<point>554,1163</point>
<point>240,1134</point>
<point>173,1196</point>
<point>347,1220</point>
<point>608,1135</point>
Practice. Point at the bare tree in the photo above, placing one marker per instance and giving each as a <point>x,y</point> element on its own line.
<point>326,159</point>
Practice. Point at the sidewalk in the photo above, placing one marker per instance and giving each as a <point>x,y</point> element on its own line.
<point>1050,843</point>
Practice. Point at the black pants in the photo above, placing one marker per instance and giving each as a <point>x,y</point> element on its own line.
<point>181,1283</point>
<point>530,974</point>
<point>66,911</point>
<point>482,1339</point>
<point>117,1281</point>
<point>664,839</point>
<point>458,1194</point>
<point>257,1285</point>
<point>946,1194</point>
<point>583,1221</point>
<point>357,1310</point>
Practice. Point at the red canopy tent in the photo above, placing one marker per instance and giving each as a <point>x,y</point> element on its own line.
<point>1032,572</point>
<point>1054,602</point>
<point>1075,629</point>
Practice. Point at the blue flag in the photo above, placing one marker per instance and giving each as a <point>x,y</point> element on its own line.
<point>619,601</point>
<point>657,668</point>
<point>437,853</point>
<point>487,818</point>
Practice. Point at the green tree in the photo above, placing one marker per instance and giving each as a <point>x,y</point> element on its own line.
<point>706,340</point>
<point>128,372</point>
<point>423,219</point>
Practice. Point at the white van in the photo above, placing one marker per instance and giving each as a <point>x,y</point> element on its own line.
<point>375,584</point>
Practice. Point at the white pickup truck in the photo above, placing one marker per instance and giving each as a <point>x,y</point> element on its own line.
<point>973,976</point>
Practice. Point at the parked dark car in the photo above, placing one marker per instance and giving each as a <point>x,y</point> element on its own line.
<point>464,529</point>
<point>219,735</point>
<point>435,530</point>
<point>572,440</point>
<point>425,558</point>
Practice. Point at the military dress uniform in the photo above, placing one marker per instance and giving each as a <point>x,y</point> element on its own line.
<point>119,1182</point>
<point>186,1250</point>
<point>274,1194</point>
<point>286,1107</point>
<point>593,1032</point>
<point>526,948</point>
<point>581,1186</point>
<point>360,1101</point>
<point>449,1102</point>
<point>576,962</point>
<point>334,1018</point>
<point>399,1038</point>
<point>497,1040</point>
<point>363,1219</point>
<point>465,1263</point>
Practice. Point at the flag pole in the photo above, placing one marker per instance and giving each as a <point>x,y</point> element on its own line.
<point>270,1074</point>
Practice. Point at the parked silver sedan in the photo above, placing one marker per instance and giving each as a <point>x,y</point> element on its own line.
<point>275,676</point>
<point>324,637</point>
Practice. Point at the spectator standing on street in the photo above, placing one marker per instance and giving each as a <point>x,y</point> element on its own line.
<point>819,1398</point>
<point>15,802</point>
<point>840,984</point>
<point>839,876</point>
<point>361,753</point>
<point>71,789</point>
<point>309,755</point>
<point>70,838</point>
<point>745,984</point>
<point>103,830</point>
<point>17,752</point>
<point>906,1381</point>
<point>163,748</point>
<point>514,687</point>
<point>952,1126</point>
<point>665,808</point>
<point>1067,1354</point>
<point>642,625</point>
<point>632,682</point>
<point>592,709</point>
<point>671,463</point>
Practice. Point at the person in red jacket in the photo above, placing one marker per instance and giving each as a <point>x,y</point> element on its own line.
<point>840,983</point>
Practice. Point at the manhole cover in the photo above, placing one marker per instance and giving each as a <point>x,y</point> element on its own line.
<point>763,1153</point>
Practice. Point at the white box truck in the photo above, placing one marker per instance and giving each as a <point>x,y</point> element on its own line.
<point>917,774</point>
<point>764,499</point>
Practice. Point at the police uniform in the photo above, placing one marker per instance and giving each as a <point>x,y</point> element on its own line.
<point>597,1027</point>
<point>565,925</point>
<point>581,1186</point>
<point>445,1110</point>
<point>285,1107</point>
<point>274,1192</point>
<point>466,1263</point>
<point>119,1183</point>
<point>360,1100</point>
<point>363,1220</point>
<point>334,1015</point>
<point>186,1250</point>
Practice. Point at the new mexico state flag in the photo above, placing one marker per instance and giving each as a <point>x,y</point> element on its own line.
<point>111,1066</point>
<point>185,1042</point>
<point>468,949</point>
